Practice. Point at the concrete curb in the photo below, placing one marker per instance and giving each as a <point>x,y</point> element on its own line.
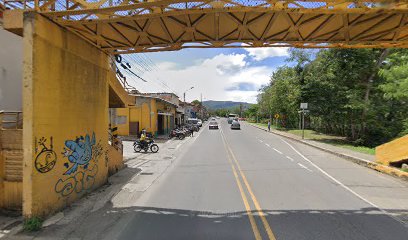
<point>360,161</point>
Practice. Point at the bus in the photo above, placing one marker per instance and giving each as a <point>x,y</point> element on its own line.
<point>231,117</point>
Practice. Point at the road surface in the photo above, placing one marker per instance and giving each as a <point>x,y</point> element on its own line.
<point>250,184</point>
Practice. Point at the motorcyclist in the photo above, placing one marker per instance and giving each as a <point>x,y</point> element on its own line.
<point>143,139</point>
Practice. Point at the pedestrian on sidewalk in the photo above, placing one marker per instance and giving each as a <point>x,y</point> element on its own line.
<point>269,125</point>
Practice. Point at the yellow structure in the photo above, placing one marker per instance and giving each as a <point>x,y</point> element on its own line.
<point>65,116</point>
<point>160,25</point>
<point>153,114</point>
<point>11,161</point>
<point>394,152</point>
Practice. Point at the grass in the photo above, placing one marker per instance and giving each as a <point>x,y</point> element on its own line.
<point>329,139</point>
<point>333,140</point>
<point>32,224</point>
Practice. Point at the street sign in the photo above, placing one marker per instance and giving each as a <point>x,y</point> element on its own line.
<point>303,105</point>
<point>276,116</point>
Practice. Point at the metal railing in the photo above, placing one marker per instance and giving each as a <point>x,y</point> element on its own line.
<point>11,120</point>
<point>114,141</point>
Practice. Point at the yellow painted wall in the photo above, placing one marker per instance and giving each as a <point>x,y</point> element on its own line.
<point>11,165</point>
<point>65,107</point>
<point>392,152</point>
<point>115,160</point>
<point>145,112</point>
<point>123,129</point>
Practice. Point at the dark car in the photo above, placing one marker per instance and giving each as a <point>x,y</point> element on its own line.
<point>235,125</point>
<point>213,125</point>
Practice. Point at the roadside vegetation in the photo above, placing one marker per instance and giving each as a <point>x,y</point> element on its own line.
<point>358,98</point>
<point>32,224</point>
<point>325,138</point>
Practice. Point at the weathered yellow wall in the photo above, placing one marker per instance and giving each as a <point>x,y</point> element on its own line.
<point>115,160</point>
<point>392,152</point>
<point>65,107</point>
<point>140,113</point>
<point>123,129</point>
<point>13,192</point>
<point>11,165</point>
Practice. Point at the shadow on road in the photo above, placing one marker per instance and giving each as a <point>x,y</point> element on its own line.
<point>165,223</point>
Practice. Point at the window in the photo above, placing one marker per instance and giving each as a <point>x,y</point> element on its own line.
<point>121,119</point>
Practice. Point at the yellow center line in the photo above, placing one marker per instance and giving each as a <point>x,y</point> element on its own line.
<point>244,198</point>
<point>255,201</point>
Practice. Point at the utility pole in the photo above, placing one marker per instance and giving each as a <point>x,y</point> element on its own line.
<point>184,94</point>
<point>201,107</point>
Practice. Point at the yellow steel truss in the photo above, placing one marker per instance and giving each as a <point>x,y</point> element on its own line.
<point>126,26</point>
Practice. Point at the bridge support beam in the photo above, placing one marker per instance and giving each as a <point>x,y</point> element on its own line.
<point>65,107</point>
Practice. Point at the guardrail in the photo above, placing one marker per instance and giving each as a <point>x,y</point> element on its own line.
<point>11,120</point>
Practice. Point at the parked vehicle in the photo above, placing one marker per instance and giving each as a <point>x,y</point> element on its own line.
<point>193,127</point>
<point>138,146</point>
<point>200,123</point>
<point>178,133</point>
<point>235,125</point>
<point>213,125</point>
<point>193,123</point>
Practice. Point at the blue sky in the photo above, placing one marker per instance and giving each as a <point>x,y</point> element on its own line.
<point>217,74</point>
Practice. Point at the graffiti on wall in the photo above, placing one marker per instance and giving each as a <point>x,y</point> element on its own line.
<point>46,157</point>
<point>80,181</point>
<point>82,154</point>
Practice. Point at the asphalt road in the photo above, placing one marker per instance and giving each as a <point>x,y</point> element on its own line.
<point>249,184</point>
<point>239,184</point>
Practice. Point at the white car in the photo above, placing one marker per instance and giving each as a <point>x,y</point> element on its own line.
<point>200,123</point>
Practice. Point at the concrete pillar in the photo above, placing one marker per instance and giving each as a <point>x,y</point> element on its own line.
<point>65,107</point>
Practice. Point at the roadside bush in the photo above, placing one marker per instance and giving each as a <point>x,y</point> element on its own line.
<point>32,224</point>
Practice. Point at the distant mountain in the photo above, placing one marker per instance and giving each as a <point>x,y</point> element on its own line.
<point>214,105</point>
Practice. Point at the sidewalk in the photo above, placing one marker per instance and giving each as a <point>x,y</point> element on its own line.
<point>357,157</point>
<point>9,221</point>
<point>141,171</point>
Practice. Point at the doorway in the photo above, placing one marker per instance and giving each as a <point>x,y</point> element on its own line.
<point>160,127</point>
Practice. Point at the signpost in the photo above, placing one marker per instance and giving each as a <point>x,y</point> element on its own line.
<point>303,111</point>
<point>276,116</point>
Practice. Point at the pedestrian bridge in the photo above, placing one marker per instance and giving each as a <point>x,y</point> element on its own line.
<point>69,78</point>
<point>128,26</point>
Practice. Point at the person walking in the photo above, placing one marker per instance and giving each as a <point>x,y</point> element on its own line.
<point>269,125</point>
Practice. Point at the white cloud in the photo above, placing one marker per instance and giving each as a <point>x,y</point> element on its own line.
<point>259,54</point>
<point>214,77</point>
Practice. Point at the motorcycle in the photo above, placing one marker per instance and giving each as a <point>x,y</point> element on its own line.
<point>179,133</point>
<point>149,144</point>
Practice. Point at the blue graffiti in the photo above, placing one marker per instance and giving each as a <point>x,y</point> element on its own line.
<point>79,152</point>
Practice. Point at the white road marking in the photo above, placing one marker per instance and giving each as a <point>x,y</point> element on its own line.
<point>277,151</point>
<point>303,166</point>
<point>260,141</point>
<point>267,145</point>
<point>291,159</point>
<point>342,185</point>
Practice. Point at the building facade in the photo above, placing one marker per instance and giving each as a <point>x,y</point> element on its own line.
<point>155,115</point>
<point>11,70</point>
